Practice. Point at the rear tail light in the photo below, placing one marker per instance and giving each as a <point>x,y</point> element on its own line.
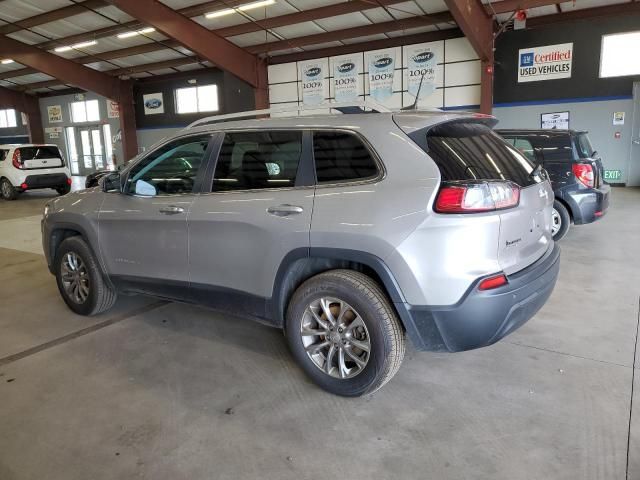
<point>24,186</point>
<point>69,181</point>
<point>584,173</point>
<point>493,282</point>
<point>16,160</point>
<point>475,197</point>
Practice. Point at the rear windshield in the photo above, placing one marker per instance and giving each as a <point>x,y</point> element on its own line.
<point>553,147</point>
<point>37,153</point>
<point>583,145</point>
<point>467,151</point>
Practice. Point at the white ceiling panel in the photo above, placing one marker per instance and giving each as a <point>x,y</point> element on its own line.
<point>34,77</point>
<point>276,10</point>
<point>27,37</point>
<point>221,22</point>
<point>73,25</point>
<point>432,6</point>
<point>151,57</point>
<point>115,13</point>
<point>188,68</point>
<point>255,38</point>
<point>377,15</point>
<point>285,52</point>
<point>340,22</point>
<point>309,4</point>
<point>14,10</point>
<point>405,10</point>
<point>582,4</point>
<point>141,75</point>
<point>323,45</point>
<point>178,4</point>
<point>100,66</point>
<point>163,71</point>
<point>298,30</point>
<point>10,66</point>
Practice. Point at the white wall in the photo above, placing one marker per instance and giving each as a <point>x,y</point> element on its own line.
<point>457,78</point>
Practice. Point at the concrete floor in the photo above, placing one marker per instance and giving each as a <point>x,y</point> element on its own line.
<point>167,391</point>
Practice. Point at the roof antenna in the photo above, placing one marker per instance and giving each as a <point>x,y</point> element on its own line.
<point>414,106</point>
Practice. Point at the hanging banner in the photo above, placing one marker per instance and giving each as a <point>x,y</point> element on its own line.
<point>113,109</point>
<point>54,112</point>
<point>381,67</point>
<point>346,78</point>
<point>312,74</point>
<point>421,66</point>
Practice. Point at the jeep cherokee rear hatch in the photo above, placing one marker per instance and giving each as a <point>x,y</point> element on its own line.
<point>481,174</point>
<point>37,156</point>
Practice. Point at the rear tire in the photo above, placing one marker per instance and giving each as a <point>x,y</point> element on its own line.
<point>7,190</point>
<point>560,221</point>
<point>332,347</point>
<point>63,190</point>
<point>80,279</point>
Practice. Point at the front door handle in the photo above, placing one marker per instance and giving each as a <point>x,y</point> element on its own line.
<point>285,210</point>
<point>171,210</point>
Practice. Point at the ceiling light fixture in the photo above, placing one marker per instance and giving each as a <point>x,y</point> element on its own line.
<point>77,45</point>
<point>6,61</point>
<point>241,8</point>
<point>136,32</point>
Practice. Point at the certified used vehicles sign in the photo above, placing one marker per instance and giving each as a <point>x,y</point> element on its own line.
<point>545,63</point>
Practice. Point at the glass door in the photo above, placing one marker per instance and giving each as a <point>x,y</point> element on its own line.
<point>92,151</point>
<point>72,150</point>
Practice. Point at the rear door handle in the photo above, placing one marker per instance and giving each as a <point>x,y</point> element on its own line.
<point>171,210</point>
<point>285,210</point>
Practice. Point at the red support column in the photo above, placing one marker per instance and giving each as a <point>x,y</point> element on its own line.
<point>34,119</point>
<point>262,90</point>
<point>128,121</point>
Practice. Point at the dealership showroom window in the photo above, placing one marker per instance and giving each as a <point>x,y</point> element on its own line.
<point>301,239</point>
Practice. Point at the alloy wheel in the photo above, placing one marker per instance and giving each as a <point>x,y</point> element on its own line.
<point>335,337</point>
<point>6,189</point>
<point>556,222</point>
<point>75,277</point>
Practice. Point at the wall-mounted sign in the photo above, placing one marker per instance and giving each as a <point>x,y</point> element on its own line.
<point>555,121</point>
<point>545,63</point>
<point>55,113</point>
<point>346,78</point>
<point>421,66</point>
<point>53,132</point>
<point>618,118</point>
<point>610,175</point>
<point>113,109</point>
<point>153,103</point>
<point>312,75</point>
<point>381,69</point>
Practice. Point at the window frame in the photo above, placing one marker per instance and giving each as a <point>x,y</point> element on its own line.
<point>202,172</point>
<point>198,111</point>
<point>305,175</point>
<point>381,170</point>
<point>86,111</point>
<point>5,113</point>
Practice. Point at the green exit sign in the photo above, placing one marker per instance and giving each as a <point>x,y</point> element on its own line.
<point>612,175</point>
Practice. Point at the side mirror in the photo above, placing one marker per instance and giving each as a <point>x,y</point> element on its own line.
<point>111,182</point>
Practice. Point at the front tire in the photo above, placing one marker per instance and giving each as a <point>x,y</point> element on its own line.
<point>560,220</point>
<point>7,190</point>
<point>344,333</point>
<point>80,280</point>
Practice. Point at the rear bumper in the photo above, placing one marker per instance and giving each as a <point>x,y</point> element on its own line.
<point>482,318</point>
<point>48,180</point>
<point>589,204</point>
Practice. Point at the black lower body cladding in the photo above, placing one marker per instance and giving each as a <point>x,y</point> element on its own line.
<point>482,318</point>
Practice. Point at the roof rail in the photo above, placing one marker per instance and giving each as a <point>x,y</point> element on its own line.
<point>344,107</point>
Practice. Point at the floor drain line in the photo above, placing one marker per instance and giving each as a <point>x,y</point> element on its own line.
<point>79,333</point>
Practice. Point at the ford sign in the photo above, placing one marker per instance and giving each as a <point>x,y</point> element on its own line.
<point>153,103</point>
<point>383,62</point>
<point>312,72</point>
<point>346,67</point>
<point>423,57</point>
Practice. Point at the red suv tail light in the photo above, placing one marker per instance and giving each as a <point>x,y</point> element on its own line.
<point>493,282</point>
<point>584,173</point>
<point>16,160</point>
<point>475,197</point>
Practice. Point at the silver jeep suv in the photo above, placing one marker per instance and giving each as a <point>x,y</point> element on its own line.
<point>350,232</point>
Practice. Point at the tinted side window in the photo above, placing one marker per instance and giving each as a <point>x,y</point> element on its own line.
<point>340,157</point>
<point>265,159</point>
<point>585,150</point>
<point>169,170</point>
<point>3,154</point>
<point>524,146</point>
<point>467,151</point>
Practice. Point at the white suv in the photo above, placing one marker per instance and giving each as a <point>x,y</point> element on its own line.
<point>29,166</point>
